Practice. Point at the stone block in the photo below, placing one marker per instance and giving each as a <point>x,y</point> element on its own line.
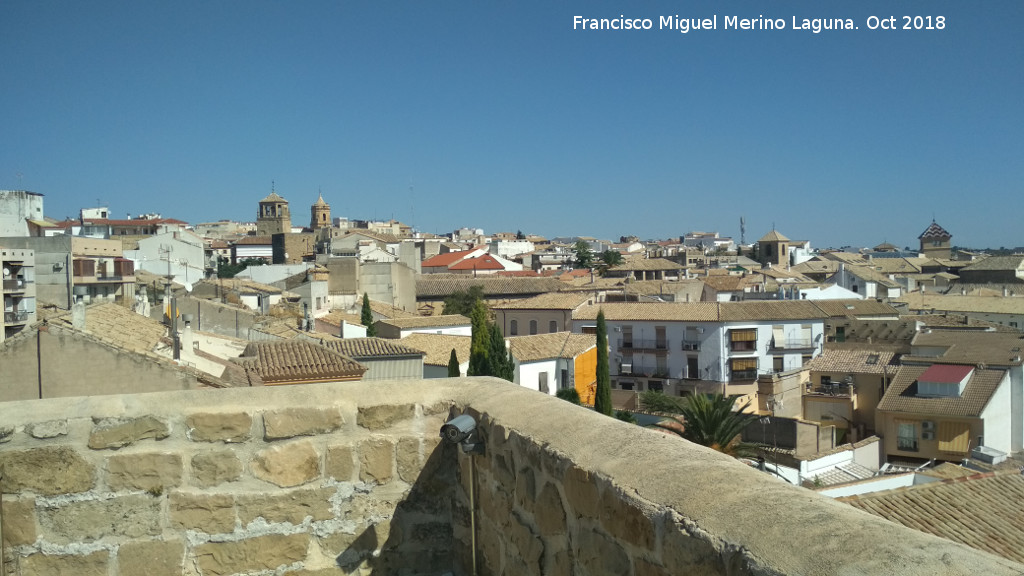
<point>6,433</point>
<point>287,465</point>
<point>681,551</point>
<point>133,516</point>
<point>19,518</point>
<point>95,564</point>
<point>214,427</point>
<point>550,512</point>
<point>292,506</point>
<point>436,408</point>
<point>152,558</point>
<point>209,513</point>
<point>496,505</point>
<point>643,567</point>
<point>582,493</point>
<point>407,458</point>
<point>215,467</point>
<point>150,471</point>
<point>341,464</point>
<point>51,429</point>
<point>432,535</point>
<point>292,422</point>
<point>379,417</point>
<point>626,521</point>
<point>599,554</point>
<point>49,471</point>
<point>529,548</point>
<point>376,460</point>
<point>526,489</point>
<point>120,432</point>
<point>263,553</point>
<point>353,548</point>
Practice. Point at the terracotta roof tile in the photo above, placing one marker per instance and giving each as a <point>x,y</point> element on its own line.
<point>439,286</point>
<point>358,348</point>
<point>854,361</point>
<point>547,346</point>
<point>901,396</point>
<point>297,361</point>
<point>428,321</point>
<point>548,301</point>
<point>972,510</point>
<point>438,347</point>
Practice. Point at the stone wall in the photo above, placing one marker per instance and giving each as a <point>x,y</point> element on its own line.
<point>350,478</point>
<point>299,481</point>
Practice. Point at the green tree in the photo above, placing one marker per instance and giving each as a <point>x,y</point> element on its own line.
<point>712,421</point>
<point>479,365</point>
<point>603,396</point>
<point>463,301</point>
<point>611,257</point>
<point>520,235</point>
<point>569,395</point>
<point>499,357</point>
<point>453,365</point>
<point>366,318</point>
<point>625,416</point>
<point>584,256</point>
<point>225,269</point>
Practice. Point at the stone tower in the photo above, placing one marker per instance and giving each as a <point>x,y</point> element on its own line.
<point>773,249</point>
<point>320,214</point>
<point>935,242</point>
<point>273,216</point>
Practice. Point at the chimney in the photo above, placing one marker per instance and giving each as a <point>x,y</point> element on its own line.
<point>78,307</point>
<point>1006,292</point>
<point>187,338</point>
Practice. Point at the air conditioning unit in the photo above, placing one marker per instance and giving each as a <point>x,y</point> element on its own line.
<point>928,425</point>
<point>928,435</point>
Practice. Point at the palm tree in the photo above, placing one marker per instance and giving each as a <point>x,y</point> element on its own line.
<point>706,420</point>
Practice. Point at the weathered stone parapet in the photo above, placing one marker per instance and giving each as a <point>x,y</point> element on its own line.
<point>199,487</point>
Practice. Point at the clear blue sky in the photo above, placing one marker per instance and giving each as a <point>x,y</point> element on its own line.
<point>498,115</point>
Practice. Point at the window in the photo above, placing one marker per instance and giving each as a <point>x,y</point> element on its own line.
<point>513,328</point>
<point>692,367</point>
<point>589,330</point>
<point>778,363</point>
<point>743,340</point>
<point>906,436</point>
<point>564,382</point>
<point>553,326</point>
<point>655,386</point>
<point>533,327</point>
<point>743,368</point>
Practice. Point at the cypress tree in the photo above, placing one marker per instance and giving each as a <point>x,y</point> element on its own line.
<point>479,365</point>
<point>453,365</point>
<point>500,358</point>
<point>367,317</point>
<point>603,396</point>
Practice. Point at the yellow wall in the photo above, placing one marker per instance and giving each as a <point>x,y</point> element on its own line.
<point>585,375</point>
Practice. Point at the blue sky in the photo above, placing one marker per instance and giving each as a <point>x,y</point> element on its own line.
<point>498,115</point>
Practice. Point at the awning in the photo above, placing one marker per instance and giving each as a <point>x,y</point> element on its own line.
<point>954,437</point>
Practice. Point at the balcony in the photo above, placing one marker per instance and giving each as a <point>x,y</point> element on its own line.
<point>744,374</point>
<point>691,345</point>
<point>103,279</point>
<point>646,345</point>
<point>648,370</point>
<point>792,343</point>
<point>16,317</point>
<point>838,389</point>
<point>16,285</point>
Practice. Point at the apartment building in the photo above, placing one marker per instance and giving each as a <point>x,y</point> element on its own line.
<point>19,290</point>
<point>683,348</point>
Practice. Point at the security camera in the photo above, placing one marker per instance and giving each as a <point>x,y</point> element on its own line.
<point>462,430</point>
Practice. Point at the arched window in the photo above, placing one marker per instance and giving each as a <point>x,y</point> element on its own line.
<point>533,327</point>
<point>553,326</point>
<point>513,328</point>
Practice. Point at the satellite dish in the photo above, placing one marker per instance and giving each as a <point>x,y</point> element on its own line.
<point>188,287</point>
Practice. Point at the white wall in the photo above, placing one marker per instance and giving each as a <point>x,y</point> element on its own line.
<point>997,419</point>
<point>451,330</point>
<point>528,375</point>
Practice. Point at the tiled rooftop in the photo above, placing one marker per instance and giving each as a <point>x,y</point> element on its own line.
<point>960,347</point>
<point>438,347</point>
<point>120,326</point>
<point>901,396</point>
<point>548,301</point>
<point>441,285</point>
<point>995,304</point>
<point>428,321</point>
<point>980,511</point>
<point>281,362</point>
<point>854,361</point>
<point>370,348</point>
<point>547,346</point>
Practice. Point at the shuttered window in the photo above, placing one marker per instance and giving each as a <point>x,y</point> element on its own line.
<point>743,335</point>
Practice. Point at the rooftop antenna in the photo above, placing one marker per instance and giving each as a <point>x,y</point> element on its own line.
<point>412,206</point>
